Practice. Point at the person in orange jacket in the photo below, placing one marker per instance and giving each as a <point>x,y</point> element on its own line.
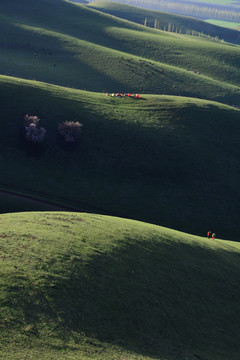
<point>209,234</point>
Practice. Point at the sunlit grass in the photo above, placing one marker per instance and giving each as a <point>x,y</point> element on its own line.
<point>227,24</point>
<point>89,286</point>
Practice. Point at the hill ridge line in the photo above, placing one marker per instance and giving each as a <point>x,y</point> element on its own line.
<point>58,206</point>
<point>39,84</point>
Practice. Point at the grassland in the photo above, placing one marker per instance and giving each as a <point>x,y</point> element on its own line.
<point>95,287</point>
<point>161,159</point>
<point>135,159</point>
<point>85,286</point>
<point>78,47</point>
<point>162,20</point>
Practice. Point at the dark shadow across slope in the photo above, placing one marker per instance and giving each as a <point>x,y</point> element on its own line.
<point>169,161</point>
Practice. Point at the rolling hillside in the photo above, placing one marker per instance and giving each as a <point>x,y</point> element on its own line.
<point>162,20</point>
<point>203,10</point>
<point>167,160</point>
<point>75,46</point>
<point>95,287</point>
<point>85,286</point>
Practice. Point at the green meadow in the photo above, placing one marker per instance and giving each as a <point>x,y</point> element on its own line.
<point>83,48</point>
<point>166,21</point>
<point>85,286</point>
<point>103,248</point>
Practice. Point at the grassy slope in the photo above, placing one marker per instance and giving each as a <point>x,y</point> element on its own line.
<point>75,46</point>
<point>226,24</point>
<point>88,286</point>
<point>162,159</point>
<point>185,23</point>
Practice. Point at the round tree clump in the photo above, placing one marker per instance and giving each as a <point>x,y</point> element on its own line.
<point>71,130</point>
<point>33,132</point>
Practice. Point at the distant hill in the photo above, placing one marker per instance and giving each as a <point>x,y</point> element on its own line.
<point>216,9</point>
<point>80,286</point>
<point>164,20</point>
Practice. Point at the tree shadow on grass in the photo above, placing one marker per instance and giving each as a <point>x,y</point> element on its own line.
<point>65,145</point>
<point>32,149</point>
<point>154,298</point>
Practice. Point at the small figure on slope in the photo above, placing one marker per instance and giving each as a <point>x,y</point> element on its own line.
<point>209,234</point>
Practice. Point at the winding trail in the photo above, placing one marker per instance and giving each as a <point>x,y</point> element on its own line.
<point>30,201</point>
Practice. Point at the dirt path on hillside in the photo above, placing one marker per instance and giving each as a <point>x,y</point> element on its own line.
<point>33,202</point>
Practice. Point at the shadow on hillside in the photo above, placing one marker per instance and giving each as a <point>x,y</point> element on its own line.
<point>156,299</point>
<point>30,148</point>
<point>47,49</point>
<point>67,146</point>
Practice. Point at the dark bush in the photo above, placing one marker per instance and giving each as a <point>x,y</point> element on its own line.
<point>71,130</point>
<point>33,133</point>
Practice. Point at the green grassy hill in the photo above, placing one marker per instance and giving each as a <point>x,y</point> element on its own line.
<point>75,46</point>
<point>167,160</point>
<point>78,286</point>
<point>161,20</point>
